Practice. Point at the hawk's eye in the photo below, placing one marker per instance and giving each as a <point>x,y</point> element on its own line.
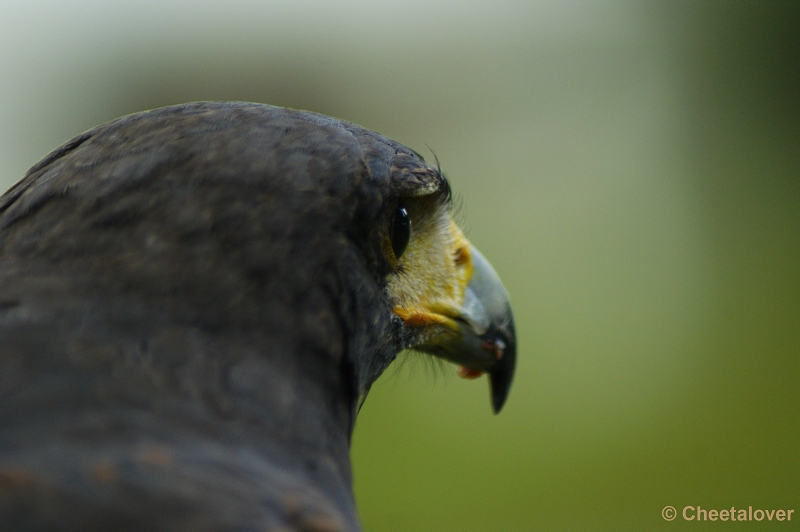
<point>400,231</point>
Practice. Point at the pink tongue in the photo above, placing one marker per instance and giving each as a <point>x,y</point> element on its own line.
<point>469,374</point>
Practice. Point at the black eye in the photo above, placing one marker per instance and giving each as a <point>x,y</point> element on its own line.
<point>400,231</point>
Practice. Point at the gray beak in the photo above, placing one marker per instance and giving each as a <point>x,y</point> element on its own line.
<point>488,341</point>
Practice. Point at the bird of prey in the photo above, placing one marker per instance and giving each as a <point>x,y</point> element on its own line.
<point>195,301</point>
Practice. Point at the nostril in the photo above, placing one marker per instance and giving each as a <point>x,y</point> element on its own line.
<point>461,256</point>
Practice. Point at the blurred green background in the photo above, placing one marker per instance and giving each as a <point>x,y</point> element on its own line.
<point>631,169</point>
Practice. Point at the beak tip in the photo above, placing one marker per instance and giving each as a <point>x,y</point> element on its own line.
<point>500,385</point>
<point>497,405</point>
<point>501,376</point>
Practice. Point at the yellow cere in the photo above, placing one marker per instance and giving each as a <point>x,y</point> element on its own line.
<point>436,267</point>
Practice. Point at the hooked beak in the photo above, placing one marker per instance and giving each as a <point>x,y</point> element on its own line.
<point>486,341</point>
<point>454,306</point>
